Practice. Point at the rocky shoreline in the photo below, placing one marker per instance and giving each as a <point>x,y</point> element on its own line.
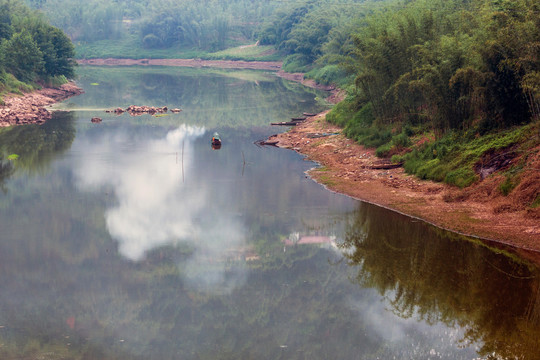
<point>30,108</point>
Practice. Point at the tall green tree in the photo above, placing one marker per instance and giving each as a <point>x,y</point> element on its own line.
<point>25,60</point>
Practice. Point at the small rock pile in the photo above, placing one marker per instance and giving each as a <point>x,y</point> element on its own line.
<point>135,110</point>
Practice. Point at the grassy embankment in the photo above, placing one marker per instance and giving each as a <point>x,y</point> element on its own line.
<point>130,49</point>
<point>459,158</point>
<point>10,85</point>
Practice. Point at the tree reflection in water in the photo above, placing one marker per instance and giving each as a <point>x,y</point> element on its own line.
<point>445,277</point>
<point>35,145</point>
<point>6,170</point>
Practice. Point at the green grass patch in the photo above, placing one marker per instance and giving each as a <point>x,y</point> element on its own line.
<point>247,53</point>
<point>296,63</point>
<point>329,74</point>
<point>452,158</point>
<point>536,202</point>
<point>131,48</point>
<point>324,178</point>
<point>326,181</point>
<point>507,186</point>
<point>9,84</point>
<point>54,81</point>
<point>384,150</point>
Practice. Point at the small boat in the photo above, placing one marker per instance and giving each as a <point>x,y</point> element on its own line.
<point>216,140</point>
<point>309,114</point>
<point>286,123</point>
<point>385,166</point>
<point>298,119</point>
<point>266,142</point>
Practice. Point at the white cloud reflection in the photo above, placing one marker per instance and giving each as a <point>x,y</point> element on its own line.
<point>410,336</point>
<point>154,205</point>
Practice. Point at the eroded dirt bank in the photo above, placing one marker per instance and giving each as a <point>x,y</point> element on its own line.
<point>480,210</point>
<point>30,108</point>
<point>224,64</point>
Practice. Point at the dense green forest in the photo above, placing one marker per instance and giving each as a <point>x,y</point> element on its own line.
<point>31,50</point>
<point>156,28</point>
<point>165,28</point>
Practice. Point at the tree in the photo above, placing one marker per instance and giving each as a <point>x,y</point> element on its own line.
<point>6,30</point>
<point>64,63</point>
<point>25,60</point>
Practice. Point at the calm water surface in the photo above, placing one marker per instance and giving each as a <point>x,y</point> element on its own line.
<point>134,239</point>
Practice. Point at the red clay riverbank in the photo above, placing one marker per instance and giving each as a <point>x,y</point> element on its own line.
<point>479,210</point>
<point>30,108</point>
<point>224,64</point>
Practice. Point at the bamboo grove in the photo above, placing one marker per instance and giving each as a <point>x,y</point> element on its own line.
<point>452,64</point>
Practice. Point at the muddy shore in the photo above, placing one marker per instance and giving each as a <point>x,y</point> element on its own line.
<point>479,211</point>
<point>31,108</point>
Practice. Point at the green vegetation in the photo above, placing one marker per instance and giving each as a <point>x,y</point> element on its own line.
<point>246,52</point>
<point>185,29</point>
<point>32,52</point>
<point>453,158</point>
<point>156,28</point>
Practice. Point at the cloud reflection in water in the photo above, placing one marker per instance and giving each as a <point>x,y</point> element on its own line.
<point>155,207</point>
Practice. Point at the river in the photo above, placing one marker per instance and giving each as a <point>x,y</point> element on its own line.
<point>133,238</point>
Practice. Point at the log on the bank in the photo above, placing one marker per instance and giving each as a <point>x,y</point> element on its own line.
<point>286,123</point>
<point>266,142</point>
<point>385,166</point>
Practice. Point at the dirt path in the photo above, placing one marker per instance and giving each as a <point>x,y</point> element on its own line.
<point>347,167</point>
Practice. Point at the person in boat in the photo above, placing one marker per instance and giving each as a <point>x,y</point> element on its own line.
<point>216,140</point>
